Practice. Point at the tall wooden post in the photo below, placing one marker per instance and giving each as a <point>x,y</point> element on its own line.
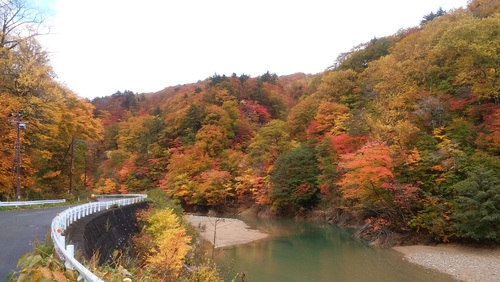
<point>72,165</point>
<point>18,158</point>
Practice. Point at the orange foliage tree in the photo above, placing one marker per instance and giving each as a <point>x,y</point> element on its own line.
<point>369,184</point>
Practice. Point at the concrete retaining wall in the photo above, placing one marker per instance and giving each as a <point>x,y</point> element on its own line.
<point>105,232</point>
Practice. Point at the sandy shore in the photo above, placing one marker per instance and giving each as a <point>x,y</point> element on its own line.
<point>229,231</point>
<point>462,262</point>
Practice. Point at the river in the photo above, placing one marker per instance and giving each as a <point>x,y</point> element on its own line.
<point>314,251</point>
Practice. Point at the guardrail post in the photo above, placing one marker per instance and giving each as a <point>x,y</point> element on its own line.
<point>71,254</point>
<point>62,239</point>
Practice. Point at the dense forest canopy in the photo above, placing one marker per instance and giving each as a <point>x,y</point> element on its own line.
<point>403,131</point>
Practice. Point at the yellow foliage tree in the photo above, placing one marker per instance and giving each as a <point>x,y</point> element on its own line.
<point>54,116</point>
<point>471,46</point>
<point>483,8</point>
<point>165,260</point>
<point>105,186</point>
<point>337,86</point>
<point>331,118</point>
<point>212,139</point>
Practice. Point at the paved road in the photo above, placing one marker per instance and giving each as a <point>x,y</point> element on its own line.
<point>18,230</point>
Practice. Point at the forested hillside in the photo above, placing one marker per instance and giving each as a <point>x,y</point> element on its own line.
<point>402,131</point>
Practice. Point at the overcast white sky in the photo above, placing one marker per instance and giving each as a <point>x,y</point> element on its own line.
<point>98,47</point>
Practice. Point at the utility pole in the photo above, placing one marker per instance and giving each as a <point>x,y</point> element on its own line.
<point>85,172</point>
<point>72,165</point>
<point>19,125</point>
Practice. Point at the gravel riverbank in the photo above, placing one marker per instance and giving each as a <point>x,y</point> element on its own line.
<point>227,231</point>
<point>462,262</point>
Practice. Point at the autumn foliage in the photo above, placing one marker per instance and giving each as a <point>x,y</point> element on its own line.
<point>390,132</point>
<point>163,245</point>
<point>61,129</point>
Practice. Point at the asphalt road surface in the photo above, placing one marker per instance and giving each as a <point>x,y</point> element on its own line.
<point>18,231</point>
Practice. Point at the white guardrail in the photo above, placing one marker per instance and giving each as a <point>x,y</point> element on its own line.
<point>27,203</point>
<point>66,217</point>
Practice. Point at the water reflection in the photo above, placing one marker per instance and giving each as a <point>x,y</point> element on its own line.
<point>313,251</point>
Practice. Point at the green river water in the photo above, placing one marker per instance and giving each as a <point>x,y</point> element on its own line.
<point>314,251</point>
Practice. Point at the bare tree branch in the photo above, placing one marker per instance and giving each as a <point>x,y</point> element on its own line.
<point>19,22</point>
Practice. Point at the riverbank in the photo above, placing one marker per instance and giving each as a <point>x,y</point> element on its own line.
<point>227,231</point>
<point>462,262</point>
